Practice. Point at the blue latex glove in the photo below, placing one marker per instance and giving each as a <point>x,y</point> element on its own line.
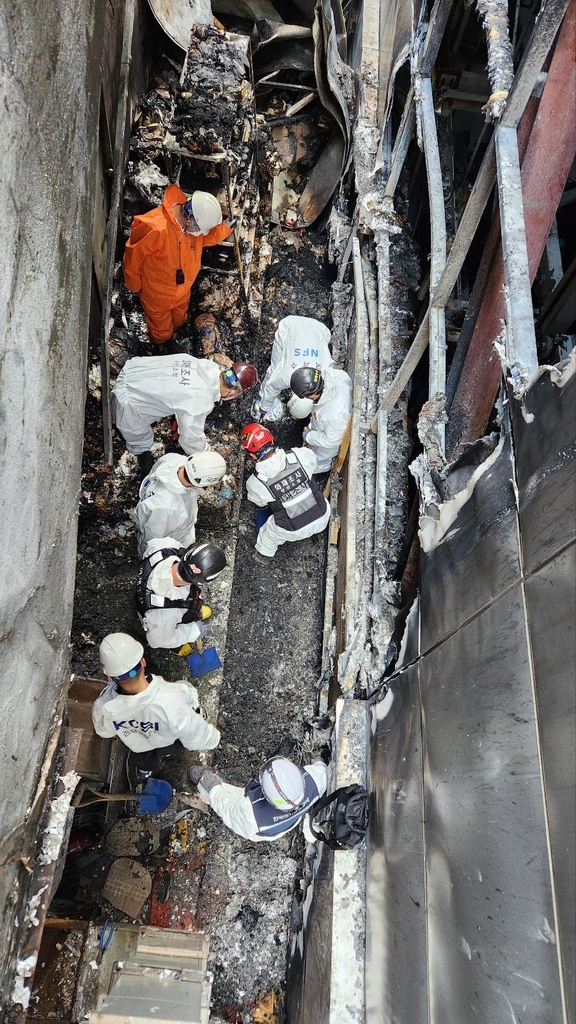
<point>203,628</point>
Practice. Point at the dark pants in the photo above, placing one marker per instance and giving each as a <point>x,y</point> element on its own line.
<point>151,760</point>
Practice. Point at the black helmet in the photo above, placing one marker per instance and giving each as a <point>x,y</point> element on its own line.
<point>201,563</point>
<point>307,380</point>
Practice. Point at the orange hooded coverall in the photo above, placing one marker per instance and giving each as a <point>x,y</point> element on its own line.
<point>156,249</point>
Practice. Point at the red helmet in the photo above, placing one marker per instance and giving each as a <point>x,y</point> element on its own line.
<point>247,375</point>
<point>257,440</point>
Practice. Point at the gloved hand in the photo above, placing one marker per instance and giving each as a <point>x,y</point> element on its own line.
<point>231,222</point>
<point>209,779</point>
<point>256,410</point>
<point>203,628</point>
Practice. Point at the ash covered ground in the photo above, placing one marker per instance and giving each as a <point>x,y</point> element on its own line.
<point>241,894</point>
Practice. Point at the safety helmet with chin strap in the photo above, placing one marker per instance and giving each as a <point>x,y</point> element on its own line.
<point>306,381</point>
<point>201,563</point>
<point>282,783</point>
<point>257,440</point>
<point>240,377</point>
<point>121,656</point>
<point>205,209</point>
<point>204,469</point>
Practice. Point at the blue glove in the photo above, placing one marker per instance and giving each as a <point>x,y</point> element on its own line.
<point>203,628</point>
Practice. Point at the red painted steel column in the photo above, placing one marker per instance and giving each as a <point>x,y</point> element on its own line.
<point>549,156</point>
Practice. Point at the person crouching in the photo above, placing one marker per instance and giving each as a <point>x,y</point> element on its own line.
<point>283,484</point>
<point>272,803</point>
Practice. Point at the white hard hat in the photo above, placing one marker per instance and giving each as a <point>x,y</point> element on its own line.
<point>121,656</point>
<point>299,408</point>
<point>205,469</point>
<point>207,211</point>
<point>282,783</point>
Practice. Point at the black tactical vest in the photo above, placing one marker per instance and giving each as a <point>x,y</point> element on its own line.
<point>270,821</point>
<point>147,599</point>
<point>297,498</point>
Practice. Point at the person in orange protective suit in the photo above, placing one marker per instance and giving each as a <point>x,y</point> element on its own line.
<point>163,256</point>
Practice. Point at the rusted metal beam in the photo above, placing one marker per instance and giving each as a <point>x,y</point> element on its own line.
<point>483,272</point>
<point>545,168</point>
<point>524,82</point>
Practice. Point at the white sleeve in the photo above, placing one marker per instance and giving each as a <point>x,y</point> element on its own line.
<point>257,492</point>
<point>164,629</point>
<point>101,725</point>
<point>192,731</point>
<point>326,433</point>
<point>191,430</point>
<point>274,382</point>
<point>235,809</point>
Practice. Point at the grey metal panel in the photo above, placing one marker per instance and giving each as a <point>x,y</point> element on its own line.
<point>551,603</point>
<point>477,560</point>
<point>545,450</point>
<point>396,984</point>
<point>491,941</point>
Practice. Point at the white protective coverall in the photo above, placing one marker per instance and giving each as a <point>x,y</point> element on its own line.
<point>270,536</point>
<point>158,716</point>
<point>151,387</point>
<point>299,341</point>
<point>330,417</point>
<point>166,508</point>
<point>163,625</point>
<point>232,805</point>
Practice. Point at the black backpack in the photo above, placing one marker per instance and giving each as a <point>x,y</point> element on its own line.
<point>346,825</point>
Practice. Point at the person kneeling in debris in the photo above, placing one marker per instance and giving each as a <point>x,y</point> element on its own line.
<point>299,341</point>
<point>271,804</point>
<point>283,484</point>
<point>168,594</point>
<point>327,397</point>
<point>182,386</point>
<point>163,257</point>
<point>168,503</point>
<point>151,716</point>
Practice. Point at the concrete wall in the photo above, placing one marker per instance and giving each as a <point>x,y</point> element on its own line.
<point>49,96</point>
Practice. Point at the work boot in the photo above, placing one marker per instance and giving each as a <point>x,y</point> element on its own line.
<point>169,348</point>
<point>261,560</point>
<point>145,463</point>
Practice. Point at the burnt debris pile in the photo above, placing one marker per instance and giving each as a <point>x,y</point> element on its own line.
<point>215,98</point>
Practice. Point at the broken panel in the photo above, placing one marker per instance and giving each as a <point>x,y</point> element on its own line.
<point>544,431</point>
<point>472,562</point>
